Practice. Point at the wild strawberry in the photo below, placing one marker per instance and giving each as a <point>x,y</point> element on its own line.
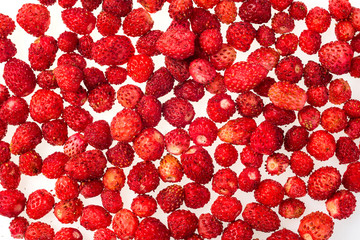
<point>85,46</point>
<point>178,112</point>
<point>12,203</point>
<point>39,203</point>
<point>107,24</point>
<point>7,26</point>
<point>7,50</point>
<point>144,205</point>
<point>111,200</point>
<point>284,234</point>
<point>269,193</point>
<point>68,233</point>
<point>121,155</point>
<point>33,18</point>
<point>317,225</point>
<point>346,150</point>
<point>266,138</point>
<point>237,131</point>
<point>317,96</point>
<point>182,223</point>
<point>291,208</point>
<point>4,93</point>
<point>287,96</point>
<point>296,138</point>
<point>260,217</point>
<point>116,75</point>
<point>68,211</point>
<point>344,31</point>
<point>289,69</point>
<point>55,132</point>
<point>146,44</point>
<point>225,182</point>
<point>5,154</point>
<point>112,50</point>
<point>249,104</point>
<point>226,11</point>
<point>354,68</point>
<point>255,11</point>
<point>26,137</point>
<point>203,131</point>
<point>177,141</point>
<point>196,195</point>
<point>323,183</point>
<point>339,9</point>
<point>170,169</point>
<point>14,111</point>
<point>39,230</point>
<point>93,77</point>
<point>341,205</point>
<point>45,79</point>
<point>353,128</point>
<point>149,108</point>
<point>265,36</point>
<point>19,77</point>
<point>309,118</point>
<point>67,41</point>
<point>217,86</point>
<point>152,228</point>
<point>104,234</point>
<point>321,145</point>
<point>277,163</point>
<point>79,20</point>
<point>3,129</point>
<point>66,188</point>
<point>66,3</point>
<point>339,91</point>
<point>170,198</point>
<point>126,125</point>
<point>77,118</point>
<point>250,158</point>
<point>240,35</point>
<point>54,165</point>
<point>333,119</point>
<point>282,23</point>
<point>143,177</point>
<point>75,145</point>
<point>102,98</point>
<point>318,19</point>
<point>225,154</point>
<point>91,188</point>
<point>30,163</point>
<point>114,178</point>
<point>129,95</point>
<point>179,69</point>
<point>118,7</point>
<point>98,135</point>
<point>45,105</point>
<point>301,163</point>
<point>86,166</point>
<point>224,58</point>
<point>354,17</point>
<point>237,230</point>
<point>125,223</point>
<point>68,77</point>
<point>137,23</point>
<point>350,178</point>
<point>315,74</point>
<point>202,71</point>
<point>309,41</point>
<point>287,44</point>
<point>355,43</point>
<point>190,90</point>
<point>336,57</point>
<point>42,53</point>
<point>9,175</point>
<point>249,179</point>
<point>94,217</point>
<point>201,19</point>
<point>149,144</point>
<point>140,68</point>
<point>18,227</point>
<point>160,83</point>
<point>295,187</point>
<point>180,9</point>
<point>226,208</point>
<point>209,226</point>
<point>352,108</point>
<point>266,57</point>
<point>220,107</point>
<point>73,59</point>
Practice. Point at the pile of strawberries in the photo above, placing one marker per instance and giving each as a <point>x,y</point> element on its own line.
<point>260,119</point>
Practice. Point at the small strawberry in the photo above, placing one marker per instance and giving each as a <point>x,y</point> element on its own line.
<point>152,228</point>
<point>91,188</point>
<point>291,208</point>
<point>209,226</point>
<point>278,116</point>
<point>85,46</point>
<point>14,111</point>
<point>7,26</point>
<point>170,198</point>
<point>265,36</point>
<point>45,79</point>
<point>318,19</point>
<point>33,18</point>
<point>296,138</point>
<point>341,205</point>
<point>77,118</point>
<point>67,41</point>
<point>137,22</point>
<point>39,230</point>
<point>249,179</point>
<point>225,154</point>
<point>93,77</point>
<point>240,35</point>
<point>339,91</point>
<point>160,83</point>
<point>121,155</point>
<point>73,59</point>
<point>346,150</point>
<point>225,182</point>
<point>323,183</point>
<point>143,177</point>
<point>202,71</point>
<point>149,108</point>
<point>269,193</point>
<point>68,234</point>
<point>350,178</point>
<point>79,20</point>
<point>264,56</point>
<point>190,90</point>
<point>237,131</point>
<point>284,234</point>
<point>68,77</point>
<point>196,195</point>
<point>42,53</point>
<point>317,225</point>
<point>224,58</point>
<point>226,11</point>
<point>255,11</point>
<point>226,208</point>
<point>45,105</point>
<point>344,31</point>
<point>111,201</point>
<point>54,165</point>
<point>68,211</point>
<point>287,96</point>
<point>179,69</point>
<point>289,69</point>
<point>66,188</point>
<point>18,227</point>
<point>125,223</point>
<point>94,217</point>
<point>9,175</point>
<point>260,217</point>
<point>102,98</point>
<point>90,5</point>
<point>129,95</point>
<point>178,112</point>
<point>55,132</point>
<point>309,118</point>
<point>352,108</point>
<point>116,75</point>
<point>287,44</point>
<point>5,154</point>
<point>277,163</point>
<point>237,230</point>
<point>107,23</point>
<point>26,137</point>
<point>98,135</point>
<point>339,9</point>
<point>310,41</point>
<point>149,144</point>
<point>182,223</point>
<point>317,96</point>
<point>140,67</point>
<point>201,19</point>
<point>170,169</point>
<point>301,163</point>
<point>126,125</point>
<point>267,138</point>
<point>7,49</point>
<point>39,203</point>
<point>321,145</point>
<point>146,44</point>
<point>144,205</point>
<point>12,203</point>
<point>75,145</point>
<point>295,187</point>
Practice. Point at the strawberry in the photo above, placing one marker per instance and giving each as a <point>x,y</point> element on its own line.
<point>77,118</point>
<point>93,77</point>
<point>315,74</point>
<point>68,211</point>
<point>217,86</point>
<point>317,96</point>
<point>66,188</point>
<point>18,227</point>
<point>197,164</point>
<point>196,195</point>
<point>265,36</point>
<point>94,217</point>
<point>143,177</point>
<point>146,44</point>
<point>5,154</point>
<point>226,208</point>
<point>341,205</point>
<point>255,11</point>
<point>177,141</point>
<point>176,42</point>
<point>45,79</point>
<point>240,35</point>
<point>282,23</point>
<point>336,57</point>
<point>33,18</point>
<point>333,119</point>
<point>39,203</point>
<point>98,135</point>
<point>226,11</point>
<point>264,56</point>
<point>353,128</point>
<point>116,75</point>
<point>111,201</point>
<point>125,223</point>
<point>75,145</point>
<point>19,77</point>
<point>112,50</point>
<point>114,178</point>
<point>249,104</point>
<point>85,46</point>
<point>237,230</point>
<point>220,107</point>
<point>295,187</point>
<point>45,105</point>
<point>121,155</point>
<point>291,208</point>
<point>354,17</point>
<point>26,137</point>
<point>14,111</point>
<point>309,118</point>
<point>7,25</point>
<point>138,22</point>
<point>283,234</point>
<point>152,228</point>
<point>280,5</point>
<point>3,129</point>
<point>202,71</point>
<point>346,150</point>
<point>12,203</point>
<point>317,225</point>
<point>39,230</point>
<point>118,7</point>
<point>152,6</point>
<point>126,125</point>
<point>201,19</point>
<point>289,69</point>
<point>30,163</point>
<point>323,183</point>
<point>243,76</point>
<point>203,131</point>
<point>160,83</point>
<point>67,41</point>
<point>180,9</point>
<point>250,158</point>
<point>79,20</point>
<point>225,154</point>
<point>225,182</point>
<point>72,59</point>
<point>266,139</point>
<point>129,95</point>
<point>344,31</point>
<point>140,67</point>
<point>339,9</point>
<point>178,112</point>
<point>149,144</point>
<point>55,132</point>
<point>68,234</point>
<point>287,96</point>
<point>107,23</point>
<point>170,198</point>
<point>190,90</point>
<point>224,58</point>
<point>354,68</point>
<point>209,226</point>
<point>277,163</point>
<point>54,165</point>
<point>318,19</point>
<point>9,175</point>
<point>7,49</point>
<point>339,91</point>
<point>68,77</point>
<point>211,41</point>
<point>170,169</point>
<point>144,205</point>
<point>296,138</point>
<point>237,131</point>
<point>310,41</point>
<point>352,108</point>
<point>263,88</point>
<point>269,193</point>
<point>91,188</point>
<point>42,53</point>
<point>287,44</point>
<point>104,234</point>
<point>66,3</point>
<point>301,163</point>
<point>260,217</point>
<point>86,166</point>
<point>321,145</point>
<point>350,178</point>
<point>179,69</point>
<point>182,223</point>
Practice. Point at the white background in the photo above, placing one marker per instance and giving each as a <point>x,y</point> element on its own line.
<point>346,229</point>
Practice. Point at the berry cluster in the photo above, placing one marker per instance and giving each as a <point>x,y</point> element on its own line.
<point>194,126</point>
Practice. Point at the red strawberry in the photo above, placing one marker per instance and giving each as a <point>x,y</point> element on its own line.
<point>277,163</point>
<point>39,230</point>
<point>321,145</point>
<point>237,131</point>
<point>323,183</point>
<point>12,203</point>
<point>224,58</point>
<point>45,105</point>
<point>291,208</point>
<point>180,9</point>
<point>93,77</point>
<point>351,177</point>
<point>34,19</point>
<point>115,75</point>
<point>244,76</point>
<point>79,20</point>
<point>146,44</point>
<point>114,178</point>
<point>282,23</point>
<point>287,44</point>
<point>3,129</point>
<point>344,31</point>
<point>250,158</point>
<point>289,69</point>
<point>336,57</point>
<point>98,135</point>
<point>301,163</point>
<point>339,91</point>
<point>68,211</point>
<point>249,104</point>
<point>225,182</point>
<point>94,217</point>
<point>182,223</point>
<point>68,234</point>
<point>5,154</point>
<point>225,154</point>
<point>30,163</point>
<point>14,111</point>
<point>211,41</point>
<point>9,175</point>
<point>54,165</point>
<point>226,11</point>
<point>170,198</point>
<point>39,203</point>
<point>143,177</point>
<point>7,26</point>
<point>354,17</point>
<point>126,125</point>
<point>111,201</point>
<point>220,107</point>
<point>55,132</point>
<point>73,59</point>
<point>266,57</point>
<point>287,96</point>
<point>77,118</point>
<point>140,67</point>
<point>317,225</point>
<point>333,119</point>
<point>266,138</point>
<point>152,6</point>
<point>170,169</point>
<point>107,24</point>
<point>18,227</point>
<point>209,226</point>
<point>149,144</point>
<point>67,41</point>
<point>7,49</point>
<point>196,195</point>
<point>203,131</point>
<point>309,118</point>
<point>177,141</point>
<point>284,234</point>
<point>226,208</point>
<point>255,11</point>
<point>42,53</point>
<point>66,188</point>
<point>129,95</point>
<point>309,41</point>
<point>265,36</point>
<point>26,137</point>
<point>240,35</point>
<point>352,108</point>
<point>260,217</point>
<point>137,22</point>
<point>160,83</point>
<point>144,205</point>
<point>19,77</point>
<point>296,138</point>
<point>341,205</point>
<point>85,46</point>
<point>278,116</point>
<point>318,19</point>
<point>237,230</point>
<point>68,77</point>
<point>317,96</point>
<point>45,79</point>
<point>91,188</point>
<point>149,108</point>
<point>269,193</point>
<point>178,112</point>
<point>75,145</point>
<point>339,9</point>
<point>125,223</point>
<point>104,234</point>
<point>152,228</point>
<point>295,187</point>
<point>118,7</point>
<point>190,90</point>
<point>346,150</point>
<point>179,69</point>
